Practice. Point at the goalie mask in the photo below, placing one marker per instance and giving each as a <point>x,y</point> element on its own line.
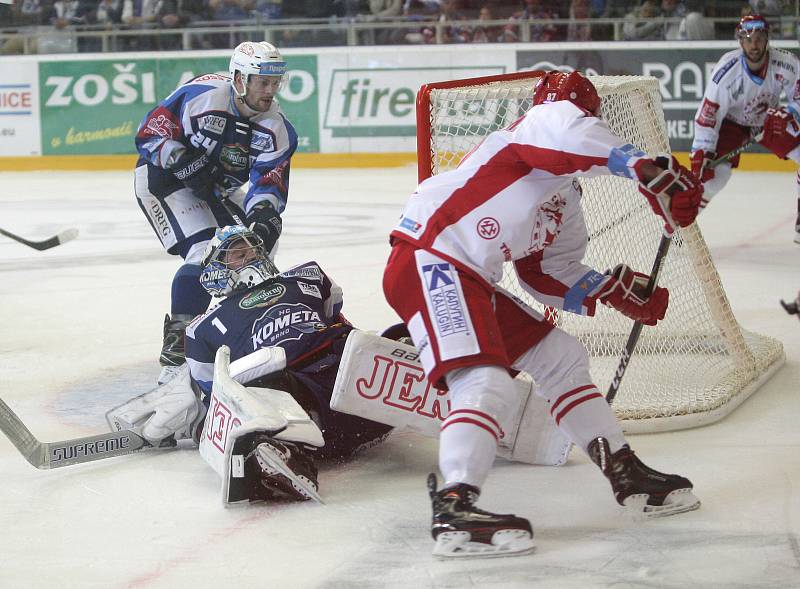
<point>234,260</point>
<point>572,86</point>
<point>267,67</point>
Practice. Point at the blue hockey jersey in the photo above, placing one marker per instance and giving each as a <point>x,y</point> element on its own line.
<point>202,114</point>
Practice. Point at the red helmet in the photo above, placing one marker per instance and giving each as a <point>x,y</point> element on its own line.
<point>574,86</point>
<point>751,23</point>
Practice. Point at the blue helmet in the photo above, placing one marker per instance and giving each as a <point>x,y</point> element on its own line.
<point>235,259</point>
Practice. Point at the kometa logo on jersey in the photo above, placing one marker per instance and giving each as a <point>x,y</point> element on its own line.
<point>283,322</point>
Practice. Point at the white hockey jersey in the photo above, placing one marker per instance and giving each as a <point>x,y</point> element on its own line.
<point>516,197</point>
<point>737,94</point>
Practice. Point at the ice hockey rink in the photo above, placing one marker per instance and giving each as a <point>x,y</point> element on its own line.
<point>81,332</point>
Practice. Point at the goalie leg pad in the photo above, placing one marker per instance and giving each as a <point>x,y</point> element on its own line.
<point>383,380</point>
<point>236,411</point>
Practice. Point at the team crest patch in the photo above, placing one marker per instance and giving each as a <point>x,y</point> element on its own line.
<point>234,158</point>
<point>309,289</point>
<point>262,141</point>
<point>263,297</point>
<point>708,114</point>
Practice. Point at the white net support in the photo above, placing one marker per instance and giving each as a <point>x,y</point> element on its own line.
<point>698,364</point>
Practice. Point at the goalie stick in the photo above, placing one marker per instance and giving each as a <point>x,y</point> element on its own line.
<point>45,244</point>
<point>47,455</point>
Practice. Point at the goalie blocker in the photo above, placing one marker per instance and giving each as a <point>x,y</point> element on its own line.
<point>383,380</point>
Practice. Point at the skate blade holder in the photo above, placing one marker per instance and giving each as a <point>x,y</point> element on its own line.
<point>504,543</point>
<point>678,501</point>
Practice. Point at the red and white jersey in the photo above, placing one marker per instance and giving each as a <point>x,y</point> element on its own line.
<point>516,196</point>
<point>743,97</point>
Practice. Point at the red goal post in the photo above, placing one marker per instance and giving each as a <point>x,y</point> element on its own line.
<point>698,364</point>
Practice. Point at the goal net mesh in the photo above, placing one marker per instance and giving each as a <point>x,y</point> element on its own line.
<point>698,364</point>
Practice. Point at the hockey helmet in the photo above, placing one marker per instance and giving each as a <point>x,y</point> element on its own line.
<point>261,59</point>
<point>572,86</point>
<point>751,23</point>
<point>235,259</point>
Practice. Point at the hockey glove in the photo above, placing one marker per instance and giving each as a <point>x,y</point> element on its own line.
<point>701,164</point>
<point>194,170</point>
<point>625,292</point>
<point>676,186</point>
<point>781,132</point>
<point>265,221</point>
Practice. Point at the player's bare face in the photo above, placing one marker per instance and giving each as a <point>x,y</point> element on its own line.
<point>755,49</point>
<point>261,90</point>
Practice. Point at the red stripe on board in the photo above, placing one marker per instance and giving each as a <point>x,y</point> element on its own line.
<point>574,404</point>
<point>480,424</point>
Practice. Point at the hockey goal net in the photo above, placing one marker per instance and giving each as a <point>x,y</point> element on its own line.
<point>698,364</point>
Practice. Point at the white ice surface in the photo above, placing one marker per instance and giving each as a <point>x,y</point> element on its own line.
<point>80,327</point>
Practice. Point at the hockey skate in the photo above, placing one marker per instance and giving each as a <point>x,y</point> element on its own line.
<point>281,471</point>
<point>639,488</point>
<point>172,349</point>
<point>462,530</point>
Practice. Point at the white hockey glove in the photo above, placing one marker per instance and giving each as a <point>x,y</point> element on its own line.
<point>164,415</point>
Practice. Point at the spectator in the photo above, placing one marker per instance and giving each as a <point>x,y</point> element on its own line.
<point>109,13</point>
<point>579,10</point>
<point>385,8</point>
<point>451,13</point>
<point>223,11</point>
<point>268,9</point>
<point>695,26</point>
<point>486,33</point>
<point>533,10</point>
<point>634,29</point>
<point>671,9</point>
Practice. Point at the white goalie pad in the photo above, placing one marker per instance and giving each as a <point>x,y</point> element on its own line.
<point>236,410</point>
<point>382,380</point>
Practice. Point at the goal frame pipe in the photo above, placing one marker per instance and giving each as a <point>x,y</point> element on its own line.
<point>424,160</point>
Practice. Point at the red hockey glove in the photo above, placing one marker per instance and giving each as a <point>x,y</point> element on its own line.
<point>781,132</point>
<point>624,291</point>
<point>701,164</point>
<point>676,186</point>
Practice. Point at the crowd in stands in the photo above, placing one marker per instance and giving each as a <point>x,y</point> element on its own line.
<point>407,21</point>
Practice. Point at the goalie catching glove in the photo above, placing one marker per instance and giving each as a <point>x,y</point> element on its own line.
<point>625,292</point>
<point>673,192</point>
<point>781,132</point>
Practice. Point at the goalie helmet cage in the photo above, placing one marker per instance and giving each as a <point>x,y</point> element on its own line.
<point>698,364</point>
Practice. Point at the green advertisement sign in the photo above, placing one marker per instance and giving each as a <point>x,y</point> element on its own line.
<point>95,107</point>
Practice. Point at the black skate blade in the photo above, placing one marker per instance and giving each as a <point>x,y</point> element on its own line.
<point>504,543</point>
<point>790,308</point>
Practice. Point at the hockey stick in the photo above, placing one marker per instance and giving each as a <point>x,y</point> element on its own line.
<point>45,244</point>
<point>47,455</point>
<point>729,156</point>
<point>633,338</point>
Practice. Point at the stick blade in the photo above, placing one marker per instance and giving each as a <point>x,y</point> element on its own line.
<point>67,235</point>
